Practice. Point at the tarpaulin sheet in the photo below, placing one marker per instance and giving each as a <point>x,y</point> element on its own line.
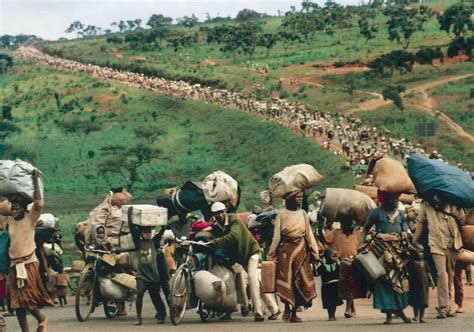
<point>435,177</point>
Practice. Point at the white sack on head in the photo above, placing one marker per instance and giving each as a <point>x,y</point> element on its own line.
<point>16,177</point>
<point>220,187</point>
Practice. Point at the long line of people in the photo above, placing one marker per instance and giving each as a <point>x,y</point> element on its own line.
<point>344,135</point>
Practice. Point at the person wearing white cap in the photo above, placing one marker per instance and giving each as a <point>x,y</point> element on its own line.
<point>241,247</point>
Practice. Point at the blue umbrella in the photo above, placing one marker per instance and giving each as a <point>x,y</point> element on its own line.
<point>435,177</point>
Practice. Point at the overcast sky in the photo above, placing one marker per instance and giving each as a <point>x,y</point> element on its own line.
<point>49,18</point>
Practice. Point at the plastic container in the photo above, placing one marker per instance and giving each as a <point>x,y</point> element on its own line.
<point>370,267</point>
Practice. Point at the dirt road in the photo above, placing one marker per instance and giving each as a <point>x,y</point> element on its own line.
<point>62,319</point>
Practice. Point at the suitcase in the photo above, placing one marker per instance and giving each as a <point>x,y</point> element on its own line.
<point>352,284</point>
<point>369,266</point>
<point>268,277</point>
<point>146,215</point>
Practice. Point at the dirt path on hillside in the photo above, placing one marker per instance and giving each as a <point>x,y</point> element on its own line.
<point>427,105</point>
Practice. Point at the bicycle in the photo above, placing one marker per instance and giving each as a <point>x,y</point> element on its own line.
<point>181,283</point>
<point>89,295</point>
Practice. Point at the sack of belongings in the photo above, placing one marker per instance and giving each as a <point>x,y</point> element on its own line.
<point>469,219</point>
<point>293,179</point>
<point>391,176</point>
<point>217,289</point>
<point>220,187</point>
<point>372,193</point>
<point>435,177</point>
<point>467,234</point>
<point>339,203</point>
<point>16,177</point>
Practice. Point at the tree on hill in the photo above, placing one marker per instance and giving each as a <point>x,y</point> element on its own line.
<point>403,22</point>
<point>241,39</point>
<point>159,21</point>
<point>6,63</point>
<point>188,21</point>
<point>456,19</point>
<point>425,56</point>
<point>401,61</point>
<point>461,45</point>
<point>288,38</point>
<point>305,24</point>
<point>127,162</point>
<point>80,129</point>
<point>268,41</point>
<point>247,14</point>
<point>76,27</point>
<point>392,92</point>
<point>367,27</point>
<point>336,18</point>
<point>122,26</point>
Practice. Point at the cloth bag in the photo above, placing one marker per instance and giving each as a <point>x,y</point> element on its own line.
<point>391,176</point>
<point>339,203</point>
<point>268,277</point>
<point>293,179</point>
<point>4,257</point>
<point>220,187</point>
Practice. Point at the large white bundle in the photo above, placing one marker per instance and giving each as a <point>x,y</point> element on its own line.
<point>47,220</point>
<point>220,187</point>
<point>16,178</point>
<point>293,179</point>
<point>339,203</point>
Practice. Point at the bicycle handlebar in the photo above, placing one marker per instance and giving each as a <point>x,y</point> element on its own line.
<point>199,243</point>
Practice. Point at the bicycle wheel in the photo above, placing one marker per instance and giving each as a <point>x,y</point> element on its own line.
<point>84,296</point>
<point>111,308</point>
<point>179,292</point>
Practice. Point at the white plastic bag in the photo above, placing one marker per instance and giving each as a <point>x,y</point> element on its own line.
<point>16,177</point>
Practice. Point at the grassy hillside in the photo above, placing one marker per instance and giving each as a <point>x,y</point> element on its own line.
<point>323,66</point>
<point>199,139</point>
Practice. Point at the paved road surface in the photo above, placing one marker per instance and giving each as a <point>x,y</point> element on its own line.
<point>62,319</point>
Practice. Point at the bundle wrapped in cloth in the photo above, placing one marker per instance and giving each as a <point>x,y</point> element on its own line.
<point>293,179</point>
<point>435,177</point>
<point>220,187</point>
<point>341,203</point>
<point>16,178</point>
<point>391,176</point>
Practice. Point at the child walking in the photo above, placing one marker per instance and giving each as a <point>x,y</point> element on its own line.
<point>329,272</point>
<point>61,284</point>
<point>419,282</point>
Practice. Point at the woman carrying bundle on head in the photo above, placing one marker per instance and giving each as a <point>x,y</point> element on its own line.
<point>294,249</point>
<point>27,292</point>
<point>391,291</point>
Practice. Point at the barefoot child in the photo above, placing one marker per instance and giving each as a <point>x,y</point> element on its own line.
<point>419,283</point>
<point>329,272</point>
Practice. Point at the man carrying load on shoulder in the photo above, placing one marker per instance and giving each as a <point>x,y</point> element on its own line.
<point>444,241</point>
<point>241,247</point>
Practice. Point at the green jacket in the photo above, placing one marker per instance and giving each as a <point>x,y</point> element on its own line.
<point>238,243</point>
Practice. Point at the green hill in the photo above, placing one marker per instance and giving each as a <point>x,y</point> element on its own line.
<point>199,139</point>
<point>329,68</point>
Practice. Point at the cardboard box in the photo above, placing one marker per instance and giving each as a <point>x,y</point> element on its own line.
<point>146,215</point>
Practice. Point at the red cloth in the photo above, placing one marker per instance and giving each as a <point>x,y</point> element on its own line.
<point>199,226</point>
<point>243,216</point>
